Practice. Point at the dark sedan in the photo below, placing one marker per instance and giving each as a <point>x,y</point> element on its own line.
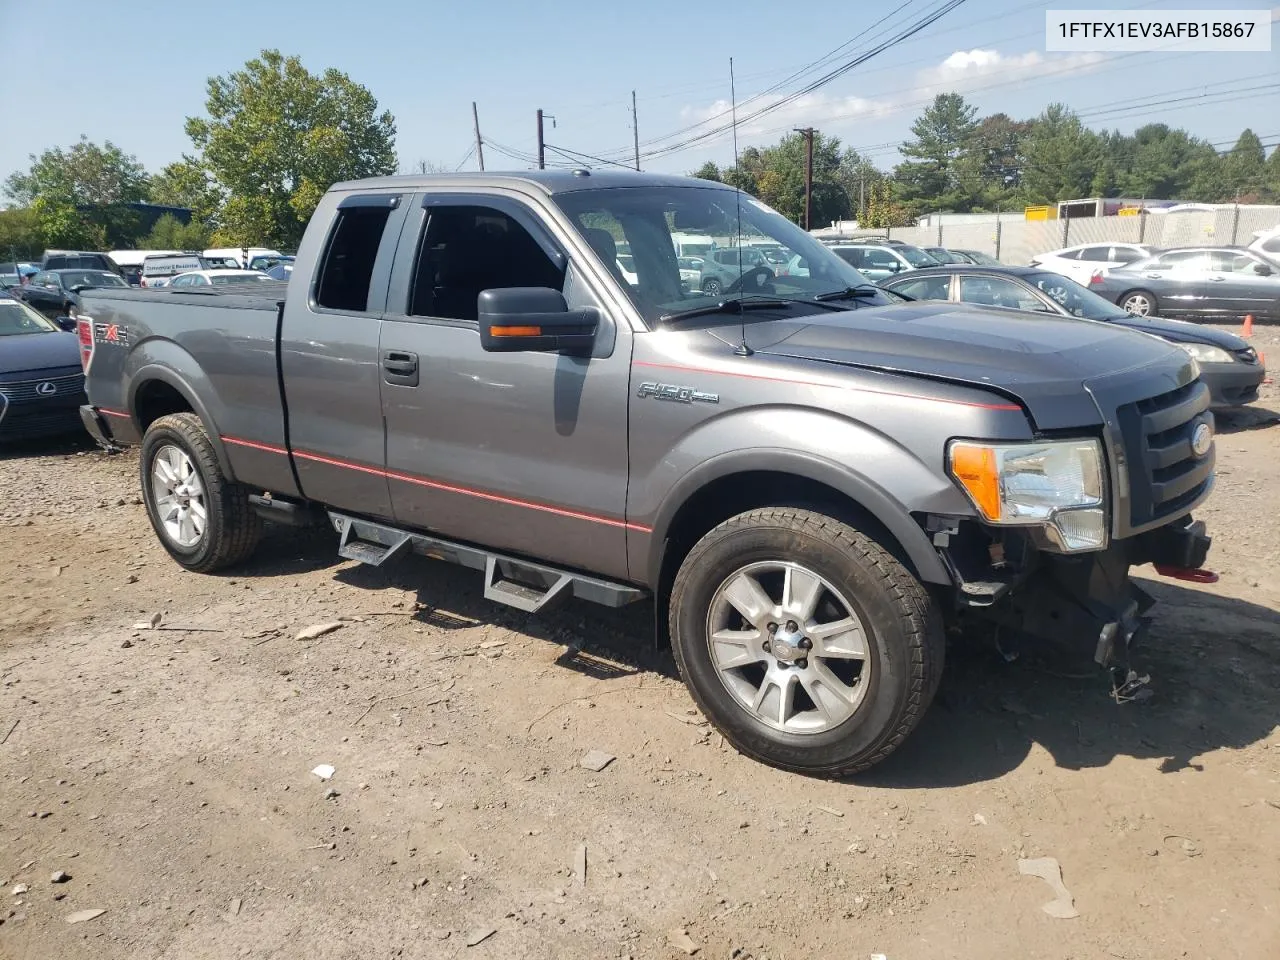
<point>1228,365</point>
<point>41,380</point>
<point>1228,282</point>
<point>56,292</point>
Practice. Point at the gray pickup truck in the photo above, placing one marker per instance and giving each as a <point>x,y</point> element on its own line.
<point>813,479</point>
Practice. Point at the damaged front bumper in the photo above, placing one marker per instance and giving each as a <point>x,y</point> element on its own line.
<point>1085,602</point>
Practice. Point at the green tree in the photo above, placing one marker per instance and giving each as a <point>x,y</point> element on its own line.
<point>933,176</point>
<point>883,210</point>
<point>1244,170</point>
<point>709,171</point>
<point>278,136</point>
<point>989,169</point>
<point>1060,157</point>
<point>80,194</point>
<point>185,183</point>
<point>1271,175</point>
<point>1166,163</point>
<point>21,236</point>
<point>170,233</point>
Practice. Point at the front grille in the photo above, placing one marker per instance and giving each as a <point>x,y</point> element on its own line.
<point>1165,475</point>
<point>31,422</point>
<point>23,391</point>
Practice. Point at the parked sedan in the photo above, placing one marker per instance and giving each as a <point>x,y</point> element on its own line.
<point>1196,282</point>
<point>1082,262</point>
<point>721,269</point>
<point>56,293</point>
<point>41,381</point>
<point>1228,365</point>
<point>976,257</point>
<point>209,278</point>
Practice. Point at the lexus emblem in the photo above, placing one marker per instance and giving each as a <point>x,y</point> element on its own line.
<point>1201,439</point>
<point>47,388</point>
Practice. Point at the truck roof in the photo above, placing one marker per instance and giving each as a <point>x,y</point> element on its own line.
<point>549,181</point>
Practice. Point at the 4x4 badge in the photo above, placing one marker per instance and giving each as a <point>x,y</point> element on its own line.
<point>675,393</point>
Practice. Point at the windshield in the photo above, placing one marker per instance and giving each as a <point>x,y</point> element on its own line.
<point>915,256</point>
<point>644,218</point>
<point>90,278</point>
<point>1075,299</point>
<point>17,318</point>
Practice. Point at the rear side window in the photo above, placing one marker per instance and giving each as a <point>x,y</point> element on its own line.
<point>925,288</point>
<point>347,267</point>
<point>1272,245</point>
<point>1096,254</point>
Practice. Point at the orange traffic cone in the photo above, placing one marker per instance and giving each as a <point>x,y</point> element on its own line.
<point>1247,329</point>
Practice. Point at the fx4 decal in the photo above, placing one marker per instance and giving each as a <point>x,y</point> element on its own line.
<point>110,333</point>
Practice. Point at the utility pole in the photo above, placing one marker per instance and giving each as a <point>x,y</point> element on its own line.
<point>635,129</point>
<point>807,132</point>
<point>475,117</point>
<point>542,149</point>
<point>542,143</point>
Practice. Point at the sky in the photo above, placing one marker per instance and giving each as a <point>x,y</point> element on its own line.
<point>134,70</point>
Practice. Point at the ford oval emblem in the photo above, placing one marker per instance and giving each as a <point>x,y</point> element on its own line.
<point>1201,439</point>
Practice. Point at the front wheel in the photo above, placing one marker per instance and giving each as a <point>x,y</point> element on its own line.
<point>712,287</point>
<point>1140,303</point>
<point>804,641</point>
<point>203,519</point>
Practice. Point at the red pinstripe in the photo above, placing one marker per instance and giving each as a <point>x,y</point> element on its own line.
<point>438,485</point>
<point>819,383</point>
<point>114,413</point>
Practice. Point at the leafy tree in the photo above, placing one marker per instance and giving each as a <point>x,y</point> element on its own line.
<point>278,136</point>
<point>21,236</point>
<point>709,171</point>
<point>1243,170</point>
<point>1165,164</point>
<point>1271,174</point>
<point>933,175</point>
<point>883,210</point>
<point>1059,158</point>
<point>185,183</point>
<point>170,233</point>
<point>80,194</point>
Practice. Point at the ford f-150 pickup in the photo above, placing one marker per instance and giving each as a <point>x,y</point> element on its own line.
<point>812,479</point>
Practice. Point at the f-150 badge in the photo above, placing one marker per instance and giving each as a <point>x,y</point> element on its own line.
<point>675,393</point>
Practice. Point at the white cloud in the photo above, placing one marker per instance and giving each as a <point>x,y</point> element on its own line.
<point>964,71</point>
<point>968,70</point>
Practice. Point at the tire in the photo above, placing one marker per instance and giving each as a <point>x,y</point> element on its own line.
<point>890,687</point>
<point>230,528</point>
<point>712,287</point>
<point>1140,303</point>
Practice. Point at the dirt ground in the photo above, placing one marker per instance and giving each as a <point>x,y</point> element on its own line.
<point>168,771</point>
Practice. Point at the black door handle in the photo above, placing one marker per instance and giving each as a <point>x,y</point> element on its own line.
<point>400,368</point>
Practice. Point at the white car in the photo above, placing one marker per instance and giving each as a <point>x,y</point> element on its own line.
<point>1267,243</point>
<point>1082,262</point>
<point>207,278</point>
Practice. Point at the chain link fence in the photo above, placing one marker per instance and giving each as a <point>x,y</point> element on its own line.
<point>1016,240</point>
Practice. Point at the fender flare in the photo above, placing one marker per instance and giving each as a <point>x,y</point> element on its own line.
<point>859,489</point>
<point>169,376</point>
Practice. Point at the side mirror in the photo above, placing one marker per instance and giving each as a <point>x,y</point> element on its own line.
<point>526,319</point>
<point>66,323</point>
<point>1262,270</point>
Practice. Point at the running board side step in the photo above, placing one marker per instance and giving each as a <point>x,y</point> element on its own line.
<point>523,584</point>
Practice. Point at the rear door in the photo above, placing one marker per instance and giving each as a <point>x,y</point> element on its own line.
<point>329,353</point>
<point>523,452</point>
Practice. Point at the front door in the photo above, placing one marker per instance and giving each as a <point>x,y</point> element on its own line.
<point>523,452</point>
<point>1244,290</point>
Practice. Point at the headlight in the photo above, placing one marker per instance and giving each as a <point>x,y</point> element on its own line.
<point>1056,484</point>
<point>1206,353</point>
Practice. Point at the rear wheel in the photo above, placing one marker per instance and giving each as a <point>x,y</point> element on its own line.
<point>712,287</point>
<point>1140,303</point>
<point>203,519</point>
<point>804,641</point>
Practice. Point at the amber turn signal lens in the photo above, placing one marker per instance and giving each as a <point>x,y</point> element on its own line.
<point>516,331</point>
<point>975,467</point>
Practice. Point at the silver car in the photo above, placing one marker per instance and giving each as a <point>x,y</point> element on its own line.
<point>1196,281</point>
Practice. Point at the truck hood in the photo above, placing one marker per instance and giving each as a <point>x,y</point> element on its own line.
<point>1045,363</point>
<point>38,351</point>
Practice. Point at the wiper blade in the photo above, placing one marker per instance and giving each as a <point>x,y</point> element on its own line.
<point>735,306</point>
<point>862,290</point>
